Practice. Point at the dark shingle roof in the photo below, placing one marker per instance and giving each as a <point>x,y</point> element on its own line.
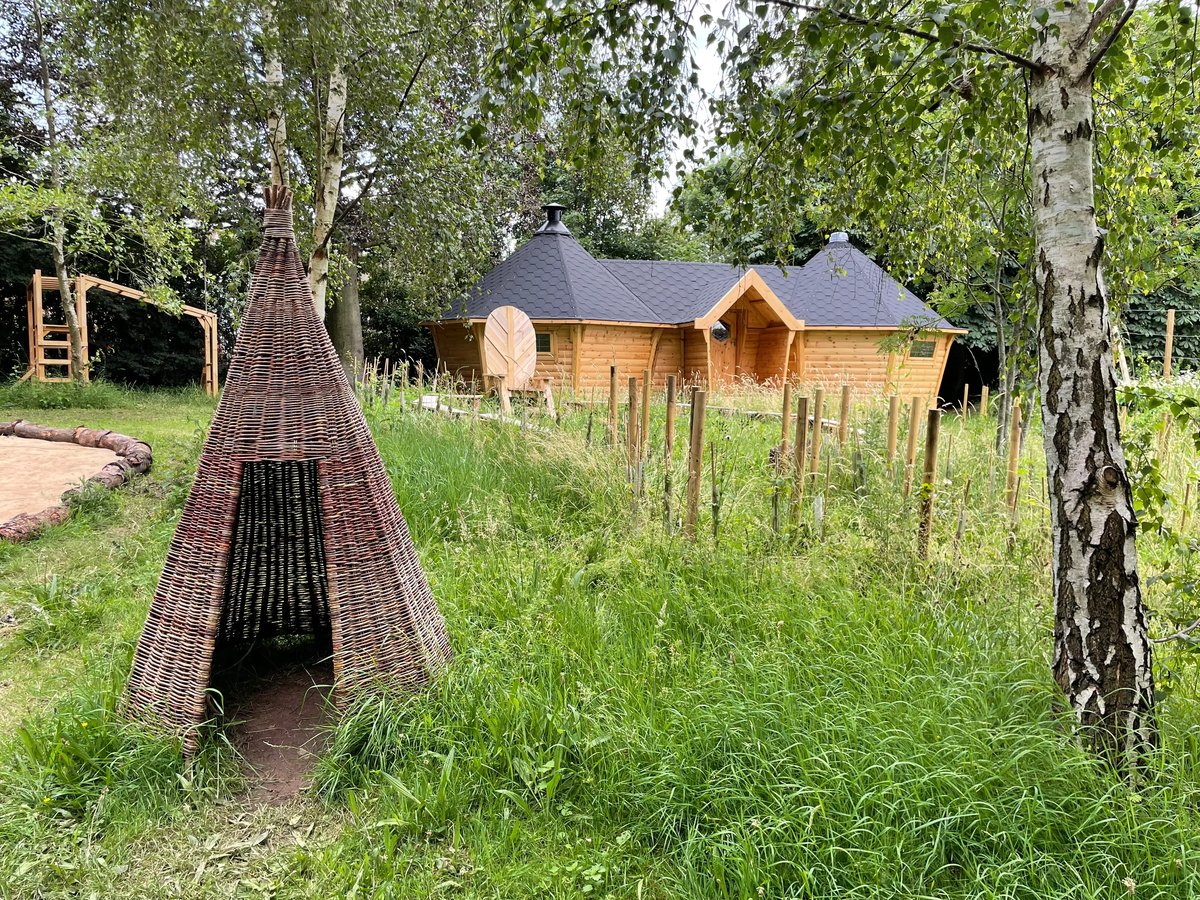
<point>553,277</point>
<point>843,287</point>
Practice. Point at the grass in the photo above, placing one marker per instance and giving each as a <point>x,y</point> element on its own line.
<point>628,714</point>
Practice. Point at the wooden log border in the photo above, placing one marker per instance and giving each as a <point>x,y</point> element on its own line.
<point>133,458</point>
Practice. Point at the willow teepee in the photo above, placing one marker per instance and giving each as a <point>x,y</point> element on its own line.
<point>291,526</point>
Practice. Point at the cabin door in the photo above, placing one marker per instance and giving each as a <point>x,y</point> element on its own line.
<point>723,345</point>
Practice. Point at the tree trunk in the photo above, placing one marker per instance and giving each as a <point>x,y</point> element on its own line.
<point>276,122</point>
<point>1102,657</point>
<point>345,320</point>
<point>329,185</point>
<point>58,228</point>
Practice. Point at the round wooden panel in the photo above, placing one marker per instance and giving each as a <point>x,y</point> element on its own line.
<point>510,346</point>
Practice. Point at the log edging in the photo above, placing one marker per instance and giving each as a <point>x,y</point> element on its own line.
<point>134,457</point>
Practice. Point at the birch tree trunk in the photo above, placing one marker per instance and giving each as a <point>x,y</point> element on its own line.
<point>1102,658</point>
<point>345,320</point>
<point>57,225</point>
<point>328,186</point>
<point>276,121</point>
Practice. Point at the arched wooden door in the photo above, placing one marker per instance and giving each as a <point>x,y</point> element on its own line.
<point>722,345</point>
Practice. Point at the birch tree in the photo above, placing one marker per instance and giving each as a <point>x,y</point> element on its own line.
<point>844,83</point>
<point>54,212</point>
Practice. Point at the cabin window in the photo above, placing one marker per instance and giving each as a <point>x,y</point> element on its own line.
<point>721,331</point>
<point>921,350</point>
<point>543,341</point>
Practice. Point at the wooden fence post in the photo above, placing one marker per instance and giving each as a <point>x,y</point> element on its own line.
<point>798,461</point>
<point>961,530</point>
<point>786,428</point>
<point>966,407</point>
<point>910,457</point>
<point>669,451</point>
<point>893,427</point>
<point>632,441</point>
<point>1170,343</point>
<point>928,483</point>
<point>1014,444</point>
<point>501,389</point>
<point>644,433</point>
<point>612,406</point>
<point>695,463</point>
<point>844,417</point>
<point>983,403</point>
<point>814,455</point>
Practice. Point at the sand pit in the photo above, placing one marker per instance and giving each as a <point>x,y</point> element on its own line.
<point>34,474</point>
<point>39,464</point>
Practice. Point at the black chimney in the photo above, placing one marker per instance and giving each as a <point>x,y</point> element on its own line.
<point>554,223</point>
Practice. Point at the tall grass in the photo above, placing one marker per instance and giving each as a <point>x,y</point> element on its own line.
<point>629,714</point>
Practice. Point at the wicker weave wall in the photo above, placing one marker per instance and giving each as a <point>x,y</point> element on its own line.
<point>291,526</point>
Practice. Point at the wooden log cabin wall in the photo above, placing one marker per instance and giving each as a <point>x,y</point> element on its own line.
<point>829,322</point>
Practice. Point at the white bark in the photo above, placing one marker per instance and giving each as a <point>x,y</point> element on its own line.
<point>329,185</point>
<point>57,225</point>
<point>276,121</point>
<point>1102,656</point>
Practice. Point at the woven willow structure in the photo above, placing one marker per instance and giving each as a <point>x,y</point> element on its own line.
<point>291,526</point>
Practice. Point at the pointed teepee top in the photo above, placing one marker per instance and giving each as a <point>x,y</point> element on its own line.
<point>277,219</point>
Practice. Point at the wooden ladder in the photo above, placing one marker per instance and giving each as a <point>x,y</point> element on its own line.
<point>49,339</point>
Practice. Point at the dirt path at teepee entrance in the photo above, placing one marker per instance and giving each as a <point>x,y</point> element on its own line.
<point>279,734</point>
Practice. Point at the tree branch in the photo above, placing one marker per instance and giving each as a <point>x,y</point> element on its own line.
<point>1103,11</point>
<point>1109,39</point>
<point>854,19</point>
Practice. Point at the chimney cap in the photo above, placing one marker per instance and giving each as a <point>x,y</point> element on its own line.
<point>554,223</point>
<point>839,237</point>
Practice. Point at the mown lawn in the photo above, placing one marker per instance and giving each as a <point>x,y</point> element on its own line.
<point>628,714</point>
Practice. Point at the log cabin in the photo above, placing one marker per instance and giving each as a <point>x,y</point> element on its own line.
<point>838,319</point>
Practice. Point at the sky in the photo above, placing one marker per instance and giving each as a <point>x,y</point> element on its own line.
<point>708,70</point>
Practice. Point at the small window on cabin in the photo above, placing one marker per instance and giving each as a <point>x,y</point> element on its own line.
<point>921,350</point>
<point>721,331</point>
<point>543,341</point>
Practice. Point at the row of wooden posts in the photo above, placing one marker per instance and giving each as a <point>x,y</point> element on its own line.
<point>805,448</point>
<point>799,443</point>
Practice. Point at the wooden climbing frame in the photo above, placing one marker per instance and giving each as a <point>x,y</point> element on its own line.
<point>46,338</point>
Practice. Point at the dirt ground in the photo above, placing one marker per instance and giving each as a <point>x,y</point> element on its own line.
<point>34,474</point>
<point>279,735</point>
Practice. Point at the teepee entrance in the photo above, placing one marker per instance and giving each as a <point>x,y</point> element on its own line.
<point>291,526</point>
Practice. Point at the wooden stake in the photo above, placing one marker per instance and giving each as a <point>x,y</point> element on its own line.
<point>632,441</point>
<point>893,427</point>
<point>814,455</point>
<point>928,488</point>
<point>1014,444</point>
<point>983,403</point>
<point>910,457</point>
<point>1170,343</point>
<point>966,406</point>
<point>961,531</point>
<point>501,388</point>
<point>612,406</point>
<point>786,426</point>
<point>669,451</point>
<point>695,463</point>
<point>844,417</point>
<point>644,433</point>
<point>798,462</point>
<point>669,436</point>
